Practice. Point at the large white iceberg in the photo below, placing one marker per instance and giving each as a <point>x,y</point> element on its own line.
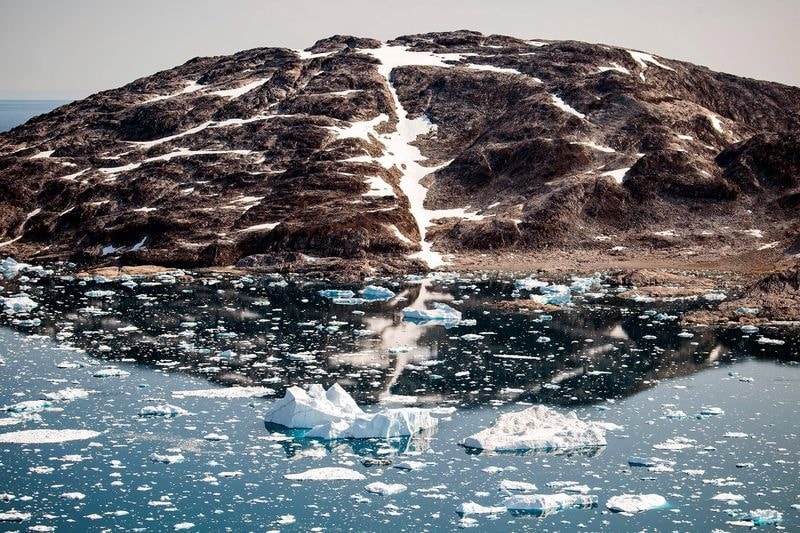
<point>545,504</point>
<point>376,293</point>
<point>333,414</point>
<point>635,503</point>
<point>538,428</point>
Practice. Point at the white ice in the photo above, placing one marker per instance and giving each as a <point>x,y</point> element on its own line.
<point>618,174</point>
<point>239,91</point>
<point>643,59</point>
<point>46,436</point>
<point>537,428</point>
<point>326,474</point>
<point>635,503</point>
<point>385,489</point>
<point>225,393</point>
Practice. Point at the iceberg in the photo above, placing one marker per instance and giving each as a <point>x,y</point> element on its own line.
<point>331,473</point>
<point>19,304</point>
<point>30,406</point>
<point>441,313</point>
<point>558,295</point>
<point>349,301</point>
<point>385,489</point>
<point>516,486</point>
<point>334,293</point>
<point>46,436</point>
<point>375,293</point>
<point>582,285</point>
<point>762,517</point>
<point>538,428</point>
<point>111,372</point>
<point>649,462</point>
<point>546,504</point>
<point>333,414</point>
<point>635,503</point>
<point>529,284</point>
<point>14,516</point>
<point>166,410</point>
<point>468,508</point>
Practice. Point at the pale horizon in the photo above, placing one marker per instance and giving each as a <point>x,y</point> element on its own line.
<point>60,50</point>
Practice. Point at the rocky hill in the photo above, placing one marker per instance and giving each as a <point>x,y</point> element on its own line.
<point>401,154</point>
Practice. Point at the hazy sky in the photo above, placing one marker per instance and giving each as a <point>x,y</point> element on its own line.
<point>72,48</point>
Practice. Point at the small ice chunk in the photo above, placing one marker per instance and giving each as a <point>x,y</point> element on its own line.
<point>635,503</point>
<point>167,458</point>
<point>538,428</point>
<point>72,496</point>
<point>111,372</point>
<point>335,293</point>
<point>165,410</point>
<point>66,395</point>
<point>410,465</point>
<point>326,474</point>
<point>440,313</point>
<point>516,486</point>
<point>649,462</point>
<point>529,284</point>
<point>558,295</point>
<point>30,406</point>
<point>762,517</point>
<point>468,508</point>
<point>14,516</point>
<point>375,293</point>
<point>385,489</point>
<point>547,504</point>
<point>728,497</point>
<point>19,304</point>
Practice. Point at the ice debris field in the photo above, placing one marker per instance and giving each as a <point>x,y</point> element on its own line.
<point>198,401</point>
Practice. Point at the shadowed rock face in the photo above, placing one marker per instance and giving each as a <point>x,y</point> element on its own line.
<point>271,153</point>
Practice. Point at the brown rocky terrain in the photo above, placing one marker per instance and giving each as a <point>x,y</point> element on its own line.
<point>357,154</point>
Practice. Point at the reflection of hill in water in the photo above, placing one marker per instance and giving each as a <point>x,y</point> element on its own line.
<point>221,328</point>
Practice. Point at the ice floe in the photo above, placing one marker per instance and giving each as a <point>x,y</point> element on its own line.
<point>331,473</point>
<point>538,428</point>
<point>46,436</point>
<point>635,503</point>
<point>385,489</point>
<point>547,504</point>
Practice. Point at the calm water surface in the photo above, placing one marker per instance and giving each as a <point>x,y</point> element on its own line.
<point>15,112</point>
<point>607,359</point>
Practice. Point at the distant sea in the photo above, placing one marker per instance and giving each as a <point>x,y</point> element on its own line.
<point>15,112</point>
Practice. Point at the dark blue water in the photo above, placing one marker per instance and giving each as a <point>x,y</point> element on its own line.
<point>16,112</point>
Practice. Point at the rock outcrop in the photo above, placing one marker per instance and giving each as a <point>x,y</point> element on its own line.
<point>390,154</point>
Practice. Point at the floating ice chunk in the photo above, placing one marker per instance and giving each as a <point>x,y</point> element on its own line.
<point>111,372</point>
<point>529,284</point>
<point>747,310</point>
<point>728,497</point>
<point>182,526</point>
<point>385,489</point>
<point>649,462</point>
<point>334,293</point>
<point>546,504</point>
<point>30,406</point>
<point>516,486</point>
<point>298,409</point>
<point>472,337</point>
<point>582,285</point>
<point>558,295</point>
<point>410,465</point>
<point>711,411</point>
<point>166,410</point>
<point>468,508</point>
<point>384,424</point>
<point>635,503</point>
<point>66,395</point>
<point>440,313</point>
<point>99,294</point>
<point>46,436</point>
<point>14,516</point>
<point>19,304</point>
<point>215,437</point>
<point>349,301</point>
<point>375,293</point>
<point>327,474</point>
<point>10,268</point>
<point>761,517</point>
<point>225,393</point>
<point>538,428</point>
<point>72,496</point>
<point>748,329</point>
<point>675,444</point>
<point>765,340</point>
<point>167,458</point>
<point>735,435</point>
